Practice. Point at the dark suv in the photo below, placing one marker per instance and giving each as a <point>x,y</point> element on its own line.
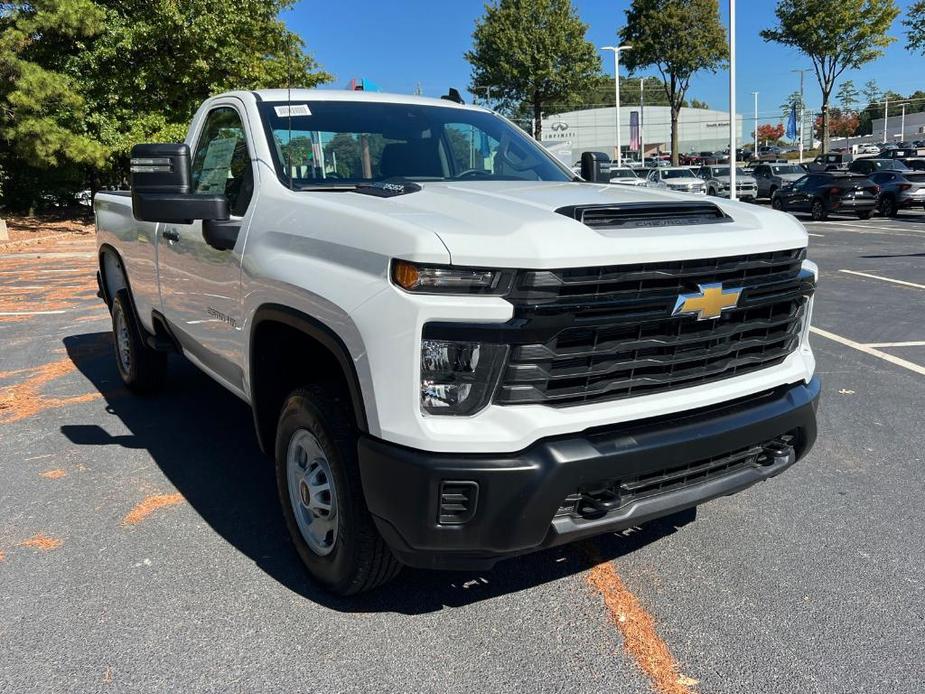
<point>822,193</point>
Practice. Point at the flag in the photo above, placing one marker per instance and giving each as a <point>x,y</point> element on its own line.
<point>792,123</point>
<point>634,129</point>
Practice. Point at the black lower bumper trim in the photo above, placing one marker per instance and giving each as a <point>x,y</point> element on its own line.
<point>519,494</point>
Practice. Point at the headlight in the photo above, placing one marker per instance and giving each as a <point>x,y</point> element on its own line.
<point>458,378</point>
<point>448,279</point>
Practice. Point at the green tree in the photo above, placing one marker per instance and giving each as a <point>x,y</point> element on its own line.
<point>836,35</point>
<point>42,110</point>
<point>532,51</point>
<point>915,27</point>
<point>678,37</point>
<point>697,103</point>
<point>129,72</point>
<point>848,96</point>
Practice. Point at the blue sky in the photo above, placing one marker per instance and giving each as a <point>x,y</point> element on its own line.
<point>401,43</point>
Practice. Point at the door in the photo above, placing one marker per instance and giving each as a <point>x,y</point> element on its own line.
<point>200,285</point>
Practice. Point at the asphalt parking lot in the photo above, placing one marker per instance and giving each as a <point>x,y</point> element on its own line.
<point>142,549</point>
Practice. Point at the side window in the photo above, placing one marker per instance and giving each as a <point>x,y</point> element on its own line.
<point>221,163</point>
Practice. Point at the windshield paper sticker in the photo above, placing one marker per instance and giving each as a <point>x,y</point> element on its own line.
<point>293,110</point>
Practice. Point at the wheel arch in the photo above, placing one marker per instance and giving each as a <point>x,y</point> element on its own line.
<point>310,349</point>
<point>113,275</point>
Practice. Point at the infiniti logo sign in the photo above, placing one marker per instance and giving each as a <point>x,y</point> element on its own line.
<point>559,126</point>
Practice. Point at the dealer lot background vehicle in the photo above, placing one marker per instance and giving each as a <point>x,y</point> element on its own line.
<point>457,353</point>
<point>770,177</point>
<point>675,178</point>
<point>899,190</point>
<point>625,176</point>
<point>823,193</point>
<point>717,178</point>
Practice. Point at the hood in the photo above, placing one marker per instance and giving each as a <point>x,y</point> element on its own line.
<point>514,224</point>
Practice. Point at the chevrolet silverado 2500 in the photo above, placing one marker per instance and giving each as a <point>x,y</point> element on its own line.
<point>455,349</point>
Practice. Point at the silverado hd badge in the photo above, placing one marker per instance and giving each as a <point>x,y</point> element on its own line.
<point>708,303</point>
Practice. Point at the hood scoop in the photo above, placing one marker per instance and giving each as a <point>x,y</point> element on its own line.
<point>645,214</point>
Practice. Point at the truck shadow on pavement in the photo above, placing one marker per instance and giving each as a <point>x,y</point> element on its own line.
<point>203,440</point>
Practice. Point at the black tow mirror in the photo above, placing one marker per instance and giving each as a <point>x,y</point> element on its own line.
<point>162,187</point>
<point>595,167</point>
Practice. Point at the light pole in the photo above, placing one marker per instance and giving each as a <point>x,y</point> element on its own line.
<point>886,117</point>
<point>732,100</point>
<point>902,124</point>
<point>755,150</point>
<point>616,90</point>
<point>802,114</point>
<point>642,120</point>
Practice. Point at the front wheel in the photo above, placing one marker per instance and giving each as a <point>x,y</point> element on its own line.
<point>777,204</point>
<point>318,480</point>
<point>142,369</point>
<point>818,212</point>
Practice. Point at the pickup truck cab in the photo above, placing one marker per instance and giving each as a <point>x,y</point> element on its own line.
<point>456,350</point>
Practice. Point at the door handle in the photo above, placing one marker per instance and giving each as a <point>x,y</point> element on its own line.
<point>171,235</point>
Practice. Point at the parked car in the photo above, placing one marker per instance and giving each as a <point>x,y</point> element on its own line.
<point>832,161</point>
<point>899,190</point>
<point>770,152</point>
<point>770,177</point>
<point>437,342</point>
<point>717,181</point>
<point>825,192</point>
<point>625,176</point>
<point>678,178</point>
<point>867,166</point>
<point>868,149</point>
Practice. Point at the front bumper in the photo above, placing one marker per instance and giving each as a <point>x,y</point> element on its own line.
<point>517,506</point>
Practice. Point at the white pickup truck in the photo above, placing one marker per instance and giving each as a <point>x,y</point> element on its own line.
<point>456,350</point>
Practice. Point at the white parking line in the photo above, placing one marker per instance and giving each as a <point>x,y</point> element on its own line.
<point>812,234</point>
<point>864,229</point>
<point>914,343</point>
<point>884,279</point>
<point>866,349</point>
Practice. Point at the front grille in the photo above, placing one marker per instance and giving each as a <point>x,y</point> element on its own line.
<point>605,333</point>
<point>611,495</point>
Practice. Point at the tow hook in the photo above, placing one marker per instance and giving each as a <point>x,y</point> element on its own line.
<point>597,504</point>
<point>777,453</point>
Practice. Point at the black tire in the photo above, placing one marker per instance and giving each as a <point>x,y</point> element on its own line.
<point>777,204</point>
<point>865,214</point>
<point>143,370</point>
<point>359,558</point>
<point>888,206</point>
<point>772,191</point>
<point>818,212</point>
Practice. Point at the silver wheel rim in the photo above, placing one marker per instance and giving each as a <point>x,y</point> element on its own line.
<point>123,341</point>
<point>311,492</point>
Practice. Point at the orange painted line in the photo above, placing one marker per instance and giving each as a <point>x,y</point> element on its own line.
<point>640,637</point>
<point>151,504</point>
<point>53,474</point>
<point>41,542</point>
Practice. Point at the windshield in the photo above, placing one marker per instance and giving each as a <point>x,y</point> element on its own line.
<point>622,173</point>
<point>790,169</point>
<point>677,173</point>
<point>892,164</point>
<point>333,143</point>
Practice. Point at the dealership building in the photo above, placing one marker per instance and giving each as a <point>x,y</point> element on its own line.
<point>571,133</point>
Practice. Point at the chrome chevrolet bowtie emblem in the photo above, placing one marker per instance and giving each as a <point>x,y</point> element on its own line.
<point>708,303</point>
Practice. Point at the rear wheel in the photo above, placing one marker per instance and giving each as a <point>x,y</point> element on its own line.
<point>817,211</point>
<point>888,206</point>
<point>318,480</point>
<point>142,369</point>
